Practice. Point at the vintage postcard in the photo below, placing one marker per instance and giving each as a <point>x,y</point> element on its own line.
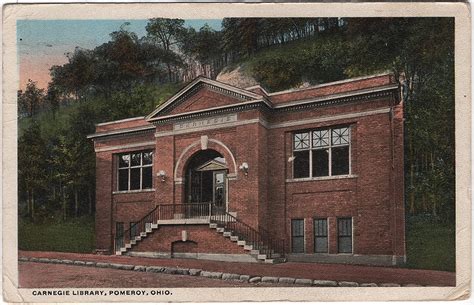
<point>231,152</point>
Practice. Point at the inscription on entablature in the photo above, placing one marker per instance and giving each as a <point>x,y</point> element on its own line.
<point>213,121</point>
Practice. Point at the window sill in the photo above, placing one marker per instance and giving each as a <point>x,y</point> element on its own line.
<point>321,178</point>
<point>133,192</point>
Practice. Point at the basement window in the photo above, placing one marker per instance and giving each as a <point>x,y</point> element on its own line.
<point>135,171</point>
<point>321,235</point>
<point>344,235</point>
<point>322,152</point>
<point>297,235</point>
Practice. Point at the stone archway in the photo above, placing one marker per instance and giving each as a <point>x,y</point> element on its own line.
<point>203,144</point>
<point>206,179</point>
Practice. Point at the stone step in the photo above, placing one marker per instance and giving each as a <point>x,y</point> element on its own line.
<point>123,249</point>
<point>241,243</point>
<point>262,256</point>
<point>133,242</point>
<point>118,252</point>
<point>213,225</point>
<point>137,238</point>
<point>227,234</point>
<point>128,246</point>
<point>234,238</point>
<point>154,226</point>
<point>255,252</point>
<point>143,234</point>
<point>220,230</point>
<point>248,247</point>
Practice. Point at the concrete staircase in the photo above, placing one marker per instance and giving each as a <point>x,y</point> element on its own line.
<point>271,258</point>
<point>150,227</point>
<point>257,254</point>
<point>259,244</point>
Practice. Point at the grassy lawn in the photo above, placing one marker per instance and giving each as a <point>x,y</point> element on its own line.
<point>430,246</point>
<point>76,235</point>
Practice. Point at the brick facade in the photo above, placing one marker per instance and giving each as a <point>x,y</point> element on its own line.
<point>261,135</point>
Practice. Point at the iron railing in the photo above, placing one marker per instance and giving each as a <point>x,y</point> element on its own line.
<point>163,212</point>
<point>260,239</point>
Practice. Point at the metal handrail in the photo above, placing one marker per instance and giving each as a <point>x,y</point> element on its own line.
<point>162,212</point>
<point>263,242</point>
<point>260,239</point>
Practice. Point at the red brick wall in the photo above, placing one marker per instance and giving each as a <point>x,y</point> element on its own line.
<point>372,196</point>
<point>202,99</point>
<point>207,240</point>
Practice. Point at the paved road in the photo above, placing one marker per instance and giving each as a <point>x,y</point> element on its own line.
<point>39,275</point>
<point>337,272</point>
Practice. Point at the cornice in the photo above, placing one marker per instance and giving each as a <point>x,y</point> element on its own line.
<point>326,101</point>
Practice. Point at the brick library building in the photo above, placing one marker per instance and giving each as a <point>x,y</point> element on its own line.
<point>223,173</point>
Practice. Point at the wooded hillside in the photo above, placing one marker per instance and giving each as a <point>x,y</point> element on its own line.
<point>129,76</point>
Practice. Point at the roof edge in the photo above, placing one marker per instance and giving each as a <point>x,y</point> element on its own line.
<point>195,82</point>
<point>343,81</point>
<point>114,132</point>
<point>119,121</point>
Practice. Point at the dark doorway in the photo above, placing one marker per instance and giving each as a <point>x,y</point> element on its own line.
<point>206,179</point>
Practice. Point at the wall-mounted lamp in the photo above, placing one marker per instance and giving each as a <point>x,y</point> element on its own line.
<point>245,168</point>
<point>162,175</point>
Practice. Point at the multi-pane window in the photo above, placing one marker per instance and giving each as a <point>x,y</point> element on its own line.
<point>344,235</point>
<point>297,235</point>
<point>321,152</point>
<point>321,235</point>
<point>135,171</point>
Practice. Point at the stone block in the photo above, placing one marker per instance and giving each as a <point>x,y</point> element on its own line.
<point>139,268</point>
<point>255,279</point>
<point>348,284</point>
<point>102,265</point>
<point>195,272</point>
<point>182,271</point>
<point>269,279</point>
<point>155,269</point>
<point>324,283</point>
<point>244,278</point>
<point>67,261</point>
<point>286,280</point>
<point>389,285</point>
<point>212,275</point>
<point>304,282</point>
<point>368,285</point>
<point>230,276</point>
<point>81,263</point>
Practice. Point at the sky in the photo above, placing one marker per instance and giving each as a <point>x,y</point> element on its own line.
<point>43,43</point>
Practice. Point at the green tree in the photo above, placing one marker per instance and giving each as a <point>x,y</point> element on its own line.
<point>30,101</point>
<point>165,33</point>
<point>31,165</point>
<point>406,46</point>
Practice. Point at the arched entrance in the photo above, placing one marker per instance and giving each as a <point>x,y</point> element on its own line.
<point>206,179</point>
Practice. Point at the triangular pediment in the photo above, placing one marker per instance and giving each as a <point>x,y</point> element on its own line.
<point>202,94</point>
<point>212,165</point>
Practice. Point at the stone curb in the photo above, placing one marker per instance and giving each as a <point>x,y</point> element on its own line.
<point>213,275</point>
